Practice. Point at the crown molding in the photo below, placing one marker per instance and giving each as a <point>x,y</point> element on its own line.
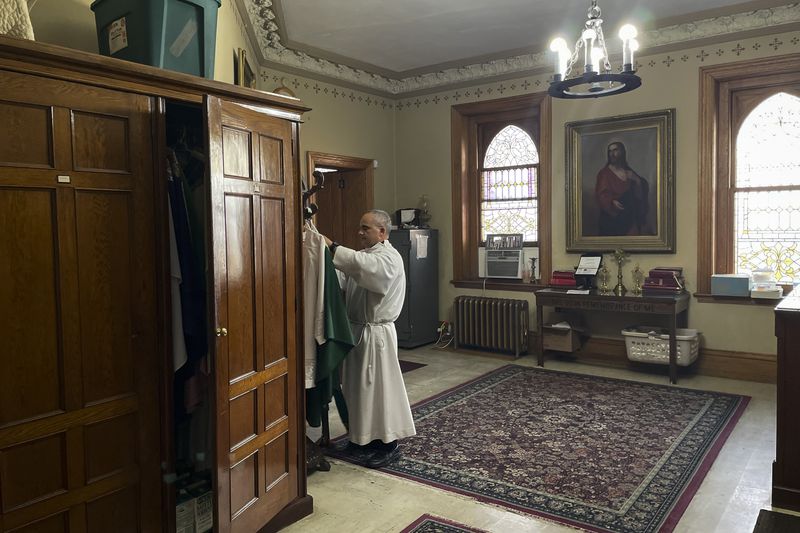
<point>262,18</point>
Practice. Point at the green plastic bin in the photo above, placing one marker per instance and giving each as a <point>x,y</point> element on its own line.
<point>177,35</point>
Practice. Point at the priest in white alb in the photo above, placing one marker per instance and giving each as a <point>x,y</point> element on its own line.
<point>372,383</point>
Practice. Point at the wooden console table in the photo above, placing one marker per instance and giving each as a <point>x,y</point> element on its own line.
<point>675,307</point>
<point>786,468</point>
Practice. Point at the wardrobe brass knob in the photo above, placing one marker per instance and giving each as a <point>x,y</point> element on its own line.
<point>222,332</point>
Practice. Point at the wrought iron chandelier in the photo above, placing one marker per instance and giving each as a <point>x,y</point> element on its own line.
<point>592,82</point>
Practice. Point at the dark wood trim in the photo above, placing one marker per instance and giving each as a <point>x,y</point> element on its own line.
<point>459,143</point>
<point>545,191</point>
<point>164,312</point>
<point>785,497</point>
<point>464,119</point>
<point>345,162</point>
<point>299,508</point>
<point>497,285</point>
<point>300,325</point>
<point>719,86</point>
<point>74,65</point>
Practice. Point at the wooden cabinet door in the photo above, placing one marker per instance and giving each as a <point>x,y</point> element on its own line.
<point>79,437</point>
<point>255,218</point>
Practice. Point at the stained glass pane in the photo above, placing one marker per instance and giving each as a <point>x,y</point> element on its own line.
<point>767,233</point>
<point>514,216</point>
<point>511,147</point>
<point>767,144</point>
<point>509,184</point>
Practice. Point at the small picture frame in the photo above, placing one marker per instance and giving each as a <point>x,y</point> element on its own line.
<point>243,72</point>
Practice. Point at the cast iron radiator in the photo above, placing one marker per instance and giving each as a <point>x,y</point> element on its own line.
<point>492,323</point>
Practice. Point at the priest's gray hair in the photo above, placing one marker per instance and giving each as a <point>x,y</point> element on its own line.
<point>382,219</point>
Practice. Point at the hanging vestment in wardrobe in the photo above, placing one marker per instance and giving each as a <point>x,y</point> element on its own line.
<point>328,330</point>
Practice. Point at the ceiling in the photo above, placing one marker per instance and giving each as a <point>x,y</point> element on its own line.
<point>398,47</point>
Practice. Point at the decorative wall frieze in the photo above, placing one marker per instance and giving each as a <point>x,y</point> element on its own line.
<point>263,20</point>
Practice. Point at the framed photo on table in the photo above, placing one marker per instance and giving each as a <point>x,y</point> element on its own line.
<point>620,177</point>
<point>243,72</point>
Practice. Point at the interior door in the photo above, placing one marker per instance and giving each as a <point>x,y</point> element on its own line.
<point>341,203</point>
<point>329,216</point>
<point>255,218</point>
<point>79,437</point>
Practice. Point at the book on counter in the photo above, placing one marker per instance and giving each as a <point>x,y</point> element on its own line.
<point>666,272</point>
<point>663,283</point>
<point>563,278</point>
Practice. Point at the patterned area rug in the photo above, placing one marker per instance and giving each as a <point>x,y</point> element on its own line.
<point>408,366</point>
<point>596,453</point>
<point>434,524</point>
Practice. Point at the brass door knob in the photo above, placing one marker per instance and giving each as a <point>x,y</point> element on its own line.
<point>222,332</point>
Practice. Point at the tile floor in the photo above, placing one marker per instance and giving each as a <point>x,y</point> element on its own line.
<point>354,499</point>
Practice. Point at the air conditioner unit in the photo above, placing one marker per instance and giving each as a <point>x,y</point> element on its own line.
<point>504,264</point>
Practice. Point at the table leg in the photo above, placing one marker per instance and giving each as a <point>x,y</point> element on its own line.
<point>673,351</point>
<point>540,329</point>
<point>683,319</point>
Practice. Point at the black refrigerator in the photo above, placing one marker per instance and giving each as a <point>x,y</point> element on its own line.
<point>420,315</point>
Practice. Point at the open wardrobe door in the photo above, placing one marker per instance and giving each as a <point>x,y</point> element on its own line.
<point>255,219</point>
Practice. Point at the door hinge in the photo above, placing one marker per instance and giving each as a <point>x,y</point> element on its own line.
<point>341,183</point>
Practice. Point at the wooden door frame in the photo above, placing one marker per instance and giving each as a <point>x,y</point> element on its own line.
<point>345,162</point>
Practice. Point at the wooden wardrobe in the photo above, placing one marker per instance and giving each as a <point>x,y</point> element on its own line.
<point>85,337</point>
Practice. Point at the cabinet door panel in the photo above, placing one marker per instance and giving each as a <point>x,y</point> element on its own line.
<point>255,218</point>
<point>79,439</point>
<point>28,296</point>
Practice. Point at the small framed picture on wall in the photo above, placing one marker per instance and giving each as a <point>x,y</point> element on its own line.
<point>243,73</point>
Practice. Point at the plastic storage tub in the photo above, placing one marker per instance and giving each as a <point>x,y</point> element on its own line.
<point>177,35</point>
<point>650,344</point>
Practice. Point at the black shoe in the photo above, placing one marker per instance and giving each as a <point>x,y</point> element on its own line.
<point>345,446</point>
<point>384,458</point>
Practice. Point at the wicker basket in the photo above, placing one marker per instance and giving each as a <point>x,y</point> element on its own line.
<point>651,345</point>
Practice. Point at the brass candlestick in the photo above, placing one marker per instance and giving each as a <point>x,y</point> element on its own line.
<point>638,277</point>
<point>620,257</point>
<point>604,276</point>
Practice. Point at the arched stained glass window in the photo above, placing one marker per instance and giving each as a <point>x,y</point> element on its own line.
<point>509,184</point>
<point>767,189</point>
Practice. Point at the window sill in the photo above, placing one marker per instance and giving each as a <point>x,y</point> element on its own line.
<point>497,285</point>
<point>737,300</point>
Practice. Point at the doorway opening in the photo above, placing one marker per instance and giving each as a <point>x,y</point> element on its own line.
<point>347,194</point>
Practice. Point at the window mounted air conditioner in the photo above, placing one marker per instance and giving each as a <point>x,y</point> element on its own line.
<point>504,264</point>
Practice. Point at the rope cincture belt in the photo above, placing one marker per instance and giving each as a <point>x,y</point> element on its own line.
<point>371,363</point>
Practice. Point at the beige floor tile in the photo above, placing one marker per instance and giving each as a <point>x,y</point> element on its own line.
<point>350,499</point>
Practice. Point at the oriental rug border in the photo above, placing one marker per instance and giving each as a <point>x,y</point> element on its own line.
<point>428,523</point>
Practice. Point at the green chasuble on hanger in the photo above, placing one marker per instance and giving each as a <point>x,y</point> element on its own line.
<point>338,343</point>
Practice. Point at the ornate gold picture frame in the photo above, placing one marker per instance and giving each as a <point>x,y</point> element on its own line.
<point>620,177</point>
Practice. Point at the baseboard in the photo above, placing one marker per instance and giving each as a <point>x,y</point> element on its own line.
<point>718,363</point>
<point>786,498</point>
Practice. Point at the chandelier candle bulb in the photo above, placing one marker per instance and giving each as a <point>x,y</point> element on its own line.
<point>588,45</point>
<point>597,55</point>
<point>559,46</point>
<point>633,46</point>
